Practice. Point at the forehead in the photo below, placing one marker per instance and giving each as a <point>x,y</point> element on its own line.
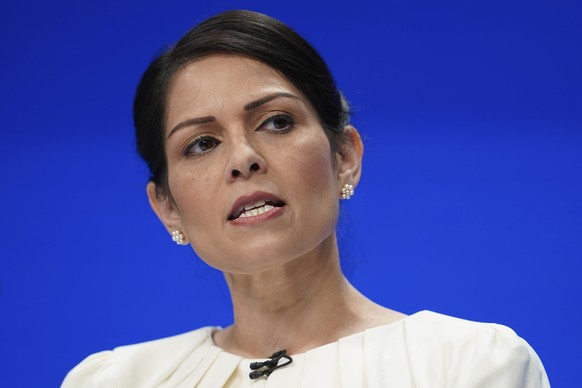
<point>222,81</point>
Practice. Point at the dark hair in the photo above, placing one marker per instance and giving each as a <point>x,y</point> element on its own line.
<point>245,33</point>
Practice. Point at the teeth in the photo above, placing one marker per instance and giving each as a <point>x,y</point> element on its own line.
<point>257,204</point>
<point>260,209</point>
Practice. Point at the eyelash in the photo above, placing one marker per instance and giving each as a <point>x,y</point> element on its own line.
<point>187,150</point>
<point>271,119</point>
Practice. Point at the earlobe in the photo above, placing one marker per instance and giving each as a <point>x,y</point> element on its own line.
<point>351,154</point>
<point>164,208</point>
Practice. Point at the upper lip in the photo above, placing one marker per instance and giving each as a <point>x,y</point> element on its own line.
<point>250,199</point>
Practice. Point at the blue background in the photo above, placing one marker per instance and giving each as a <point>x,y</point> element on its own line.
<point>470,202</point>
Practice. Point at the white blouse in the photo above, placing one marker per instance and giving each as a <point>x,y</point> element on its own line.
<point>423,350</point>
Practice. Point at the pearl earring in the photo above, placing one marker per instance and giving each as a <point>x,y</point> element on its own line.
<point>178,237</point>
<point>347,191</point>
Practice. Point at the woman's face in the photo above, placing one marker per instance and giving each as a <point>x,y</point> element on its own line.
<point>240,136</point>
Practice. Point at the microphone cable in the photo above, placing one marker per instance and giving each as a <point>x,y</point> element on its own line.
<point>265,368</point>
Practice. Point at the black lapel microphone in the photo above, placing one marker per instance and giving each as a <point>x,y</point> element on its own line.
<point>265,368</point>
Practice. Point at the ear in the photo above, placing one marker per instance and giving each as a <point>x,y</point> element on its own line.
<point>349,162</point>
<point>165,209</point>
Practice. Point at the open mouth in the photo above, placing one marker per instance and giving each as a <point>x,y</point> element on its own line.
<point>255,209</point>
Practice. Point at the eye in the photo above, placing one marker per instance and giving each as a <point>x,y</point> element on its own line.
<point>279,123</point>
<point>200,145</point>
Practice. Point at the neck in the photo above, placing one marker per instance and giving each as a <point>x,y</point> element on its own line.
<point>298,306</point>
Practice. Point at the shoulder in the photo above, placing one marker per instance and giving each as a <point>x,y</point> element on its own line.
<point>448,331</point>
<point>474,354</point>
<point>143,364</point>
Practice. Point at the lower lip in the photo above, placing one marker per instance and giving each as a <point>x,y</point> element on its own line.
<point>259,218</point>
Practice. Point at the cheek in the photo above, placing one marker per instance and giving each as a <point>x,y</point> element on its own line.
<point>311,179</point>
<point>317,190</point>
<point>314,164</point>
<point>191,189</point>
<point>194,193</point>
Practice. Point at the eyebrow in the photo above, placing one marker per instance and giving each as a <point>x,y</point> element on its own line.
<point>264,100</point>
<point>190,122</point>
<point>248,107</point>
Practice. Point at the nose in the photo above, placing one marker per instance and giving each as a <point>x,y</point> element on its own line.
<point>244,160</point>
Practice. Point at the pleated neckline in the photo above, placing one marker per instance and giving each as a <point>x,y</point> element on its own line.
<point>211,330</point>
<point>348,362</point>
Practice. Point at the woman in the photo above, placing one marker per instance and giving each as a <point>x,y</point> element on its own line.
<point>250,150</point>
